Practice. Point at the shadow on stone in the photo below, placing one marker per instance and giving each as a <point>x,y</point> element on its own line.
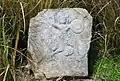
<point>92,56</point>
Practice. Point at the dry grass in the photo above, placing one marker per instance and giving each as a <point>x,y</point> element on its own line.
<point>14,24</point>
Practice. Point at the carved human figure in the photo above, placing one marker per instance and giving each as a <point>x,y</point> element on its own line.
<point>68,30</point>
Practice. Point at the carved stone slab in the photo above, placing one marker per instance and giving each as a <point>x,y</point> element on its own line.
<point>58,41</point>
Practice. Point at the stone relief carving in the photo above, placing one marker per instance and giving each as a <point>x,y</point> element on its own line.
<point>60,38</point>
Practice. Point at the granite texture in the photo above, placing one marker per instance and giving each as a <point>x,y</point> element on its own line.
<point>58,42</point>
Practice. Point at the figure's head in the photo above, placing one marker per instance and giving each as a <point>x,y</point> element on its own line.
<point>62,18</point>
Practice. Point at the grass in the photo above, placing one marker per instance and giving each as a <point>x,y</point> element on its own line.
<point>109,69</point>
<point>14,24</point>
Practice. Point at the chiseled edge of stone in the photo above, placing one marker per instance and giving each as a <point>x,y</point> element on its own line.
<point>77,9</point>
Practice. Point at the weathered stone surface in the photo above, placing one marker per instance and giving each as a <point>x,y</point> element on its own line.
<point>58,41</point>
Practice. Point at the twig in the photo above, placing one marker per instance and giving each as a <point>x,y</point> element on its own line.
<point>6,72</point>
